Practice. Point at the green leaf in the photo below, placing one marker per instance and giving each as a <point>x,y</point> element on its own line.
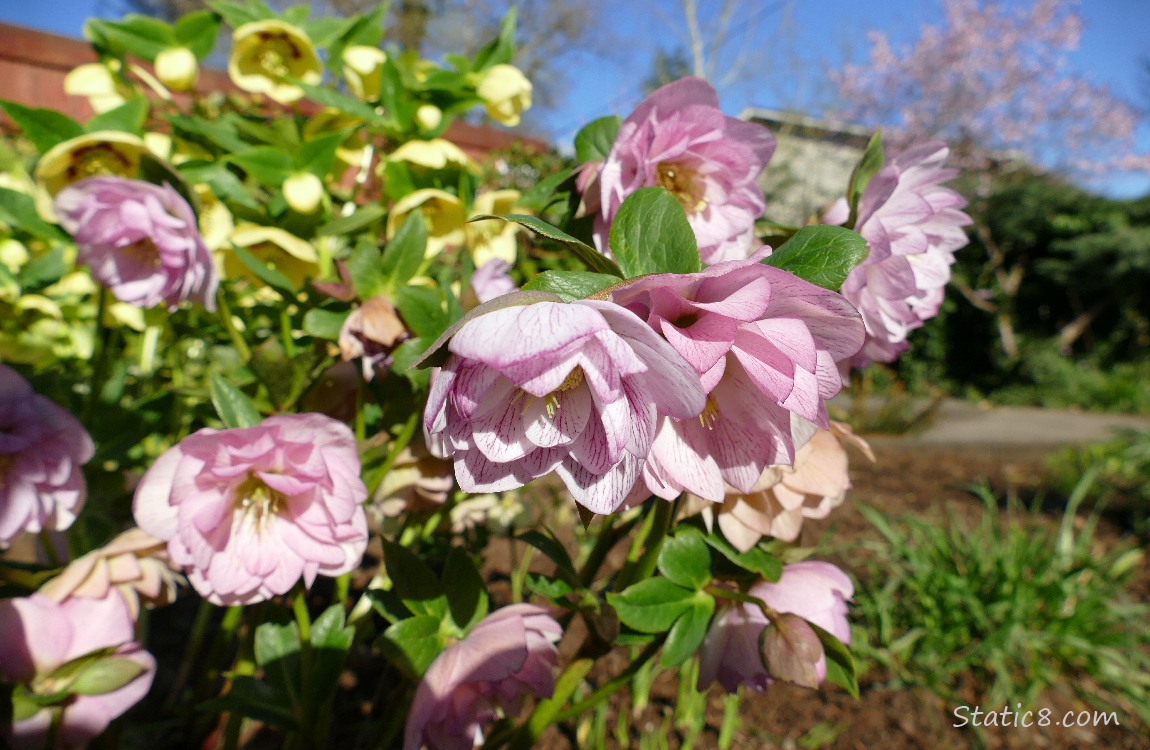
<point>651,234</point>
<point>269,165</point>
<point>106,675</point>
<point>324,324</point>
<point>552,588</point>
<point>331,640</point>
<point>198,32</point>
<point>221,181</point>
<point>594,141</point>
<point>18,211</point>
<point>868,166</point>
<point>234,408</point>
<point>137,35</point>
<point>653,605</point>
<point>822,255</point>
<point>127,118</point>
<point>277,651</point>
<point>413,582</point>
<point>155,170</point>
<point>405,355</point>
<point>366,270</point>
<point>422,311</point>
<point>317,155</point>
<point>264,272</point>
<point>236,14</point>
<point>329,97</point>
<point>412,644</point>
<point>555,551</point>
<point>591,257</point>
<point>255,699</point>
<point>685,560</point>
<point>542,194</point>
<point>404,253</point>
<point>840,663</point>
<point>43,270</point>
<point>45,128</point>
<point>465,590</point>
<point>571,285</point>
<point>500,50</point>
<point>221,133</point>
<point>755,560</point>
<point>687,634</point>
<point>362,218</point>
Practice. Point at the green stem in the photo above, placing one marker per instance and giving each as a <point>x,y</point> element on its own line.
<point>237,339</point>
<point>101,340</point>
<point>53,728</point>
<point>607,689</point>
<point>303,621</point>
<point>285,333</point>
<point>640,565</point>
<point>195,641</point>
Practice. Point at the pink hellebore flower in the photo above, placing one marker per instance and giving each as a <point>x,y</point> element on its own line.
<point>572,388</point>
<point>249,511</point>
<point>140,240</point>
<point>764,343</point>
<point>491,280</point>
<point>913,226</point>
<point>38,636</point>
<point>509,654</point>
<point>678,139</point>
<point>815,591</point>
<point>41,450</point>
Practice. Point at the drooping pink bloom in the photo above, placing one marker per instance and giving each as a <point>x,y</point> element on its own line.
<point>140,240</point>
<point>247,512</point>
<point>510,654</point>
<point>913,226</point>
<point>38,636</point>
<point>42,448</point>
<point>785,496</point>
<point>815,591</point>
<point>134,564</point>
<point>491,280</point>
<point>764,343</point>
<point>572,388</point>
<point>678,139</point>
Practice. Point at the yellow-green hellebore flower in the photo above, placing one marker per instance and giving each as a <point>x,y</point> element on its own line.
<point>493,239</point>
<point>437,153</point>
<point>177,68</point>
<point>97,82</point>
<point>292,257</point>
<point>303,192</point>
<point>505,92</point>
<point>443,213</point>
<point>428,117</point>
<point>363,70</point>
<point>105,152</point>
<point>265,54</point>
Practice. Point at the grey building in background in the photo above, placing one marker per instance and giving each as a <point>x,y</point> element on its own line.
<point>811,166</point>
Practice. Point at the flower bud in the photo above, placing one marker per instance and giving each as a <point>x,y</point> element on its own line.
<point>428,117</point>
<point>506,92</point>
<point>303,192</point>
<point>177,68</point>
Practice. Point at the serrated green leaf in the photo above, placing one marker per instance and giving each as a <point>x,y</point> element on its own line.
<point>687,634</point>
<point>324,324</point>
<point>552,588</point>
<point>412,644</point>
<point>233,406</point>
<point>413,582</point>
<point>594,141</point>
<point>422,311</point>
<point>755,560</point>
<point>269,165</point>
<point>44,128</point>
<point>684,559</point>
<point>555,551</point>
<point>650,234</point>
<point>127,118</point>
<point>571,285</point>
<point>542,194</point>
<point>198,32</point>
<point>366,270</point>
<point>651,606</point>
<point>822,255</point>
<point>465,590</point>
<point>138,35</point>
<point>403,255</point>
<point>868,166</point>
<point>18,211</point>
<point>590,257</point>
<point>841,668</point>
<point>277,651</point>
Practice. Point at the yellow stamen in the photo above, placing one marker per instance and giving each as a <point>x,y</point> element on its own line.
<point>683,184</point>
<point>710,414</point>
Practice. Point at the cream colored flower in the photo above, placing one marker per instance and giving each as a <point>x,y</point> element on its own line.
<point>493,239</point>
<point>294,258</point>
<point>216,221</point>
<point>134,563</point>
<point>506,92</point>
<point>13,254</point>
<point>443,213</point>
<point>97,82</point>
<point>177,68</point>
<point>363,70</point>
<point>436,153</point>
<point>417,481</point>
<point>105,152</point>
<point>265,54</point>
<point>303,192</point>
<point>428,117</point>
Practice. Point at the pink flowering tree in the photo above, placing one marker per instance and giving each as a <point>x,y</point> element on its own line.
<point>311,370</point>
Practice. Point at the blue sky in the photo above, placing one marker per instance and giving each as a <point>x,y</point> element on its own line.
<point>820,32</point>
